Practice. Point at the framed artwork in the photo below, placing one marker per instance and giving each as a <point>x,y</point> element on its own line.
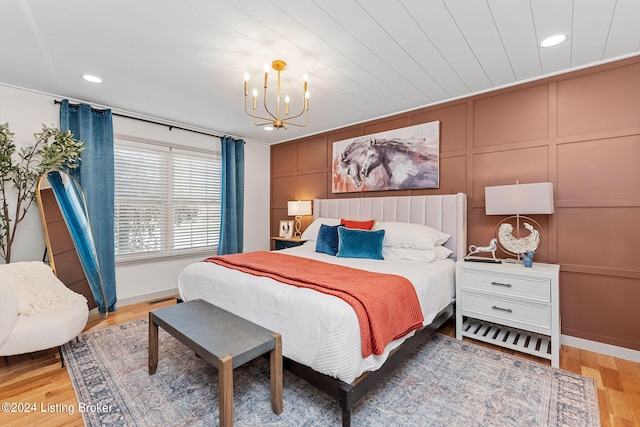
<point>398,159</point>
<point>286,228</point>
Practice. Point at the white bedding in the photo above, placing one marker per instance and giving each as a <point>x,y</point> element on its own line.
<point>318,330</point>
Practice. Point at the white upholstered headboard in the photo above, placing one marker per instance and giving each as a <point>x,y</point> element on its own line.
<point>447,213</point>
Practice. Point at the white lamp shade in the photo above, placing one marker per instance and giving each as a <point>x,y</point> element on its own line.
<point>299,208</point>
<point>524,199</point>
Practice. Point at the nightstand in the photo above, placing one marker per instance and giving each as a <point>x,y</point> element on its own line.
<point>286,242</point>
<point>510,306</point>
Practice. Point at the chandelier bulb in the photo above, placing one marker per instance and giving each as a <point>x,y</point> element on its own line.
<point>266,75</point>
<point>246,77</point>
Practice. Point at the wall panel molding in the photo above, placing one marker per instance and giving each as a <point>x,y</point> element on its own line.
<point>597,203</point>
<point>600,271</point>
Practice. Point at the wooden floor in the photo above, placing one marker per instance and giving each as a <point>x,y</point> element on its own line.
<point>41,389</point>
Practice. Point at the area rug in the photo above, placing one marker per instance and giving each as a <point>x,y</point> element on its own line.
<point>447,383</point>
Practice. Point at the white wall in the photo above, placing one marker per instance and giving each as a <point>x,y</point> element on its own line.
<point>26,111</point>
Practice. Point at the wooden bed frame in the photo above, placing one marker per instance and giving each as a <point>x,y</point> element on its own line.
<point>447,213</point>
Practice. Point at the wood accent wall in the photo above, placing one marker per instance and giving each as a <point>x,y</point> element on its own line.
<point>579,130</point>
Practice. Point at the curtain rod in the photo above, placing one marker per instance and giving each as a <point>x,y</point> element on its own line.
<point>171,127</point>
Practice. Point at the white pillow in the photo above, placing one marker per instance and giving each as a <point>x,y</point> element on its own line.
<point>407,235</point>
<point>424,255</point>
<point>311,233</point>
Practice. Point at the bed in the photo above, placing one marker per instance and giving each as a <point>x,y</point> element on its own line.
<point>320,333</point>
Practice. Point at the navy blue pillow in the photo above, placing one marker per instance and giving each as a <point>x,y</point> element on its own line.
<point>327,242</point>
<point>356,243</point>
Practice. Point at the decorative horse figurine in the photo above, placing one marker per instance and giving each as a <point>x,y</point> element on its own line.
<point>493,246</point>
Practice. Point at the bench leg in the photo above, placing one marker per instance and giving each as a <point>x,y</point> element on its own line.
<point>275,358</point>
<point>153,345</point>
<point>225,390</point>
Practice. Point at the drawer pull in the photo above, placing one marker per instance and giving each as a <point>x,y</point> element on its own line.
<point>508,285</point>
<point>508,310</point>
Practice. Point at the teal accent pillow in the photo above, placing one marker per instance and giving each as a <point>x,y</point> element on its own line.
<point>327,242</point>
<point>354,243</point>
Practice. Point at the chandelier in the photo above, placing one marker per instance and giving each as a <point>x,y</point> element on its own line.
<point>276,120</point>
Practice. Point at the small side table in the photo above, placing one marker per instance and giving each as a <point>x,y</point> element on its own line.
<point>222,339</point>
<point>511,306</point>
<point>286,242</point>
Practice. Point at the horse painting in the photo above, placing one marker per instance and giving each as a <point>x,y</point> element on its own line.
<point>404,165</point>
<point>352,158</point>
<point>394,160</point>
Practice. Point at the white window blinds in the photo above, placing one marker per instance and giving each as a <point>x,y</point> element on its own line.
<point>167,201</point>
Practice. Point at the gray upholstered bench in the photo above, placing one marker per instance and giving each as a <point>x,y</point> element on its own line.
<point>222,339</point>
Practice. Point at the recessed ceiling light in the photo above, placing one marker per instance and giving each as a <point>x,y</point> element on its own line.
<point>92,79</point>
<point>553,40</point>
<point>268,128</point>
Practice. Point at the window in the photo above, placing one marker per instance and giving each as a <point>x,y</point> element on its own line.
<point>167,201</point>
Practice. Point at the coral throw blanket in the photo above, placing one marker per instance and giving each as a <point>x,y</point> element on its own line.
<point>386,305</point>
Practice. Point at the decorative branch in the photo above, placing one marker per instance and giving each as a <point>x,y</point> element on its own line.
<point>53,149</point>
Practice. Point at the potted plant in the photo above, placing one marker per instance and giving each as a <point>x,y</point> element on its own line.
<point>19,173</point>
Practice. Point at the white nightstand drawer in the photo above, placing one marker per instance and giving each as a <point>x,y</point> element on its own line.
<point>509,285</point>
<point>495,308</point>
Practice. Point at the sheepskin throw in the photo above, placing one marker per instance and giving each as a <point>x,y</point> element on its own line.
<point>36,288</point>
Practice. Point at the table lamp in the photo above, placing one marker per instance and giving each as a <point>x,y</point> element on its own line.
<point>298,208</point>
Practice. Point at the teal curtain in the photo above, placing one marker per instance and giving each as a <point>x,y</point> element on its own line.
<point>231,228</point>
<point>95,174</point>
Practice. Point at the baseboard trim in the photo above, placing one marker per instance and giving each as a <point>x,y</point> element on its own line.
<point>602,348</point>
<point>147,297</point>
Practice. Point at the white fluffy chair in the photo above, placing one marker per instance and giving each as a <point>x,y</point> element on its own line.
<point>37,311</point>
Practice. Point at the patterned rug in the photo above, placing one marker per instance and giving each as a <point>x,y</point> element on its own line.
<point>447,383</point>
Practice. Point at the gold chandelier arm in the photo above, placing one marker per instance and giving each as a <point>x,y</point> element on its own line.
<point>255,116</point>
<point>306,121</point>
<point>245,107</point>
<point>305,107</point>
<point>298,115</point>
<point>268,122</point>
<point>268,119</point>
<point>264,98</point>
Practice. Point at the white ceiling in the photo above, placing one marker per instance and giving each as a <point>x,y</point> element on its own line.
<point>183,60</point>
